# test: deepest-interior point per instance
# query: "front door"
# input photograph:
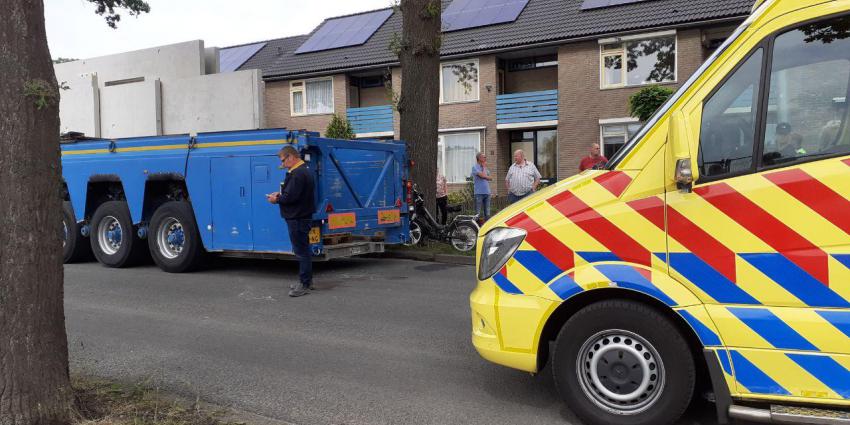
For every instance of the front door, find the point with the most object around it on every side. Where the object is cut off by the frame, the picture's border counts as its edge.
(764, 237)
(540, 148)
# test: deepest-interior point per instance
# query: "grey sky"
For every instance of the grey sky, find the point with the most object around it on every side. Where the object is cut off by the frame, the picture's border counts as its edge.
(75, 31)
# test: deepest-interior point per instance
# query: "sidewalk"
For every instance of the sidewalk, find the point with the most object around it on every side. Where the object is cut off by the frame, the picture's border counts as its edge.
(428, 253)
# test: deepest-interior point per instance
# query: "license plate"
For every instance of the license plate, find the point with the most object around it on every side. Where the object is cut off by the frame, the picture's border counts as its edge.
(341, 221)
(389, 216)
(356, 250)
(315, 235)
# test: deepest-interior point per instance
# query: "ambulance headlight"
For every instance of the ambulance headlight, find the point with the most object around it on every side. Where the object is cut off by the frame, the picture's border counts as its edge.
(498, 247)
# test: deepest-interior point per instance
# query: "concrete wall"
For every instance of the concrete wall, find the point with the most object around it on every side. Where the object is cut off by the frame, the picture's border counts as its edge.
(163, 90)
(217, 102)
(79, 106)
(131, 110)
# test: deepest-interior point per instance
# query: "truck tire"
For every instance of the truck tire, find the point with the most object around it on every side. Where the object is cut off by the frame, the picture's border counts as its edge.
(174, 241)
(621, 362)
(75, 247)
(113, 238)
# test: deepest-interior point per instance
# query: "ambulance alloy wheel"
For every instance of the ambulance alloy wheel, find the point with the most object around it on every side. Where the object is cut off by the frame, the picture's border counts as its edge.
(174, 241)
(75, 247)
(113, 238)
(621, 362)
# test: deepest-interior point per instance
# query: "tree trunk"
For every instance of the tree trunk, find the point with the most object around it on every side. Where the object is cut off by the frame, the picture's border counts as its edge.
(34, 383)
(419, 102)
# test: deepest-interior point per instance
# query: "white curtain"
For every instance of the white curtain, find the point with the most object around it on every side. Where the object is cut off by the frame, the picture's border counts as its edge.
(320, 97)
(456, 91)
(459, 151)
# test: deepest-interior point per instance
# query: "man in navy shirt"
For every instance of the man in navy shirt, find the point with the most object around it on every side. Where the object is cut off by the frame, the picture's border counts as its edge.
(297, 205)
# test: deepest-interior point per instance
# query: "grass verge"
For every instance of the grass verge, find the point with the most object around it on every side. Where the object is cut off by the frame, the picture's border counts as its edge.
(100, 402)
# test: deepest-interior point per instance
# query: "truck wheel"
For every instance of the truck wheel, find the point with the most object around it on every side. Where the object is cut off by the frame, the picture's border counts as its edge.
(174, 241)
(621, 362)
(113, 238)
(75, 247)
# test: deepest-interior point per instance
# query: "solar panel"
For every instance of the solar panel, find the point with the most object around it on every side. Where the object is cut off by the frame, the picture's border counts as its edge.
(464, 14)
(598, 4)
(232, 58)
(346, 31)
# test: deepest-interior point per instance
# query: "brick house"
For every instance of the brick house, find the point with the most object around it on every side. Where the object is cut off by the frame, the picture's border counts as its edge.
(550, 79)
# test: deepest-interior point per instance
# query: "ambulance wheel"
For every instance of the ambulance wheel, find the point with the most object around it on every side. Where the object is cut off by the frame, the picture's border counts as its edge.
(113, 239)
(75, 247)
(174, 241)
(621, 362)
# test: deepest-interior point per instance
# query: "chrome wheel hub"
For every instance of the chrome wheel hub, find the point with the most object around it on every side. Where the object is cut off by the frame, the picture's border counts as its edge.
(170, 238)
(109, 235)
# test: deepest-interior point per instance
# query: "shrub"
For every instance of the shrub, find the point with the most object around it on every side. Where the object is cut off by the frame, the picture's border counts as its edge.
(644, 103)
(339, 128)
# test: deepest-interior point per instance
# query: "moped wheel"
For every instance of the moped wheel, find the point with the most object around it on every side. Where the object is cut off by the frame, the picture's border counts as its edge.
(415, 233)
(463, 237)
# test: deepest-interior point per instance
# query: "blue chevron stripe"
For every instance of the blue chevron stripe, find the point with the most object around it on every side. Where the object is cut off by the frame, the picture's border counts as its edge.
(709, 280)
(839, 319)
(565, 287)
(772, 328)
(795, 280)
(629, 278)
(750, 376)
(843, 259)
(723, 355)
(538, 265)
(706, 335)
(598, 257)
(827, 370)
(505, 284)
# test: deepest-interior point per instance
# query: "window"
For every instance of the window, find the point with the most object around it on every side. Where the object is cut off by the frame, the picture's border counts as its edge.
(807, 100)
(638, 61)
(727, 132)
(532, 63)
(310, 97)
(456, 155)
(540, 148)
(614, 136)
(459, 82)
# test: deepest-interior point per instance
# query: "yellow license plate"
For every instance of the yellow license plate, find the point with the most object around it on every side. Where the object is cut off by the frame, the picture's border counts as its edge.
(389, 216)
(341, 221)
(315, 235)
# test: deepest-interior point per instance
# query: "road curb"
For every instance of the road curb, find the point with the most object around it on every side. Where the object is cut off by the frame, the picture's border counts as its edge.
(428, 256)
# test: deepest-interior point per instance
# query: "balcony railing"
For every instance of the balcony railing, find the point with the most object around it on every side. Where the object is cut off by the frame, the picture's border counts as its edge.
(372, 120)
(517, 109)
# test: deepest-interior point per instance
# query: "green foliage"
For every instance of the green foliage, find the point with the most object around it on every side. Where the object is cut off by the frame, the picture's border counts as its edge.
(644, 103)
(339, 128)
(107, 8)
(42, 93)
(62, 60)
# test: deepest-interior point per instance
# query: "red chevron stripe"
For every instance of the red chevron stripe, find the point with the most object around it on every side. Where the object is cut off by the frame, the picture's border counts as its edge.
(769, 229)
(691, 236)
(846, 161)
(544, 242)
(621, 244)
(615, 181)
(815, 195)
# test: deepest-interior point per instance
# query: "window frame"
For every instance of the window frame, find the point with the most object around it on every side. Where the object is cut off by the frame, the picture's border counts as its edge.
(478, 83)
(303, 90)
(766, 75)
(621, 52)
(441, 150)
(624, 122)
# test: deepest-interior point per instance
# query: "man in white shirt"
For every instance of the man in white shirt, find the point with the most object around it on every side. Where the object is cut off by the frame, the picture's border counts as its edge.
(522, 179)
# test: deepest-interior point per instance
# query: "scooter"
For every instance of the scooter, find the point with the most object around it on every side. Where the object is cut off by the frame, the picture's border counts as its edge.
(461, 232)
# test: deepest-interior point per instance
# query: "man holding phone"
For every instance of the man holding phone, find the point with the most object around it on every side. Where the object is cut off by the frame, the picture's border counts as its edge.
(297, 204)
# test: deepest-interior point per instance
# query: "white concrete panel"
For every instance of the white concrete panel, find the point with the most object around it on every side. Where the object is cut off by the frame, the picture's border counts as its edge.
(211, 58)
(174, 61)
(131, 110)
(79, 105)
(220, 102)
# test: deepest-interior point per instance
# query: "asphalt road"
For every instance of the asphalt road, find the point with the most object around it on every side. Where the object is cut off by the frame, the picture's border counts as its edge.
(379, 342)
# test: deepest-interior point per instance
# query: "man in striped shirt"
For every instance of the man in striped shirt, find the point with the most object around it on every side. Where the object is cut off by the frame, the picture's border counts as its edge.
(522, 178)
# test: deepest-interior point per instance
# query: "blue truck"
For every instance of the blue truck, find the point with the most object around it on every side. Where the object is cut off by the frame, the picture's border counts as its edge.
(181, 197)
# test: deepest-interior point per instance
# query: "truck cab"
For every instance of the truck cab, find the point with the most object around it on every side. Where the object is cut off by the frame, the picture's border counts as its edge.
(712, 254)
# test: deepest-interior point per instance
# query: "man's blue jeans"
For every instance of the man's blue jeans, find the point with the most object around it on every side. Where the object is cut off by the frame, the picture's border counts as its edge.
(299, 235)
(513, 198)
(482, 206)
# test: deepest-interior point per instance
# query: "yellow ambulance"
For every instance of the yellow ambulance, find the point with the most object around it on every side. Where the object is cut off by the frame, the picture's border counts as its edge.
(712, 255)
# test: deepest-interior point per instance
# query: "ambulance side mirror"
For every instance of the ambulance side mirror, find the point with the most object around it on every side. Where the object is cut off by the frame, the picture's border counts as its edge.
(679, 145)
